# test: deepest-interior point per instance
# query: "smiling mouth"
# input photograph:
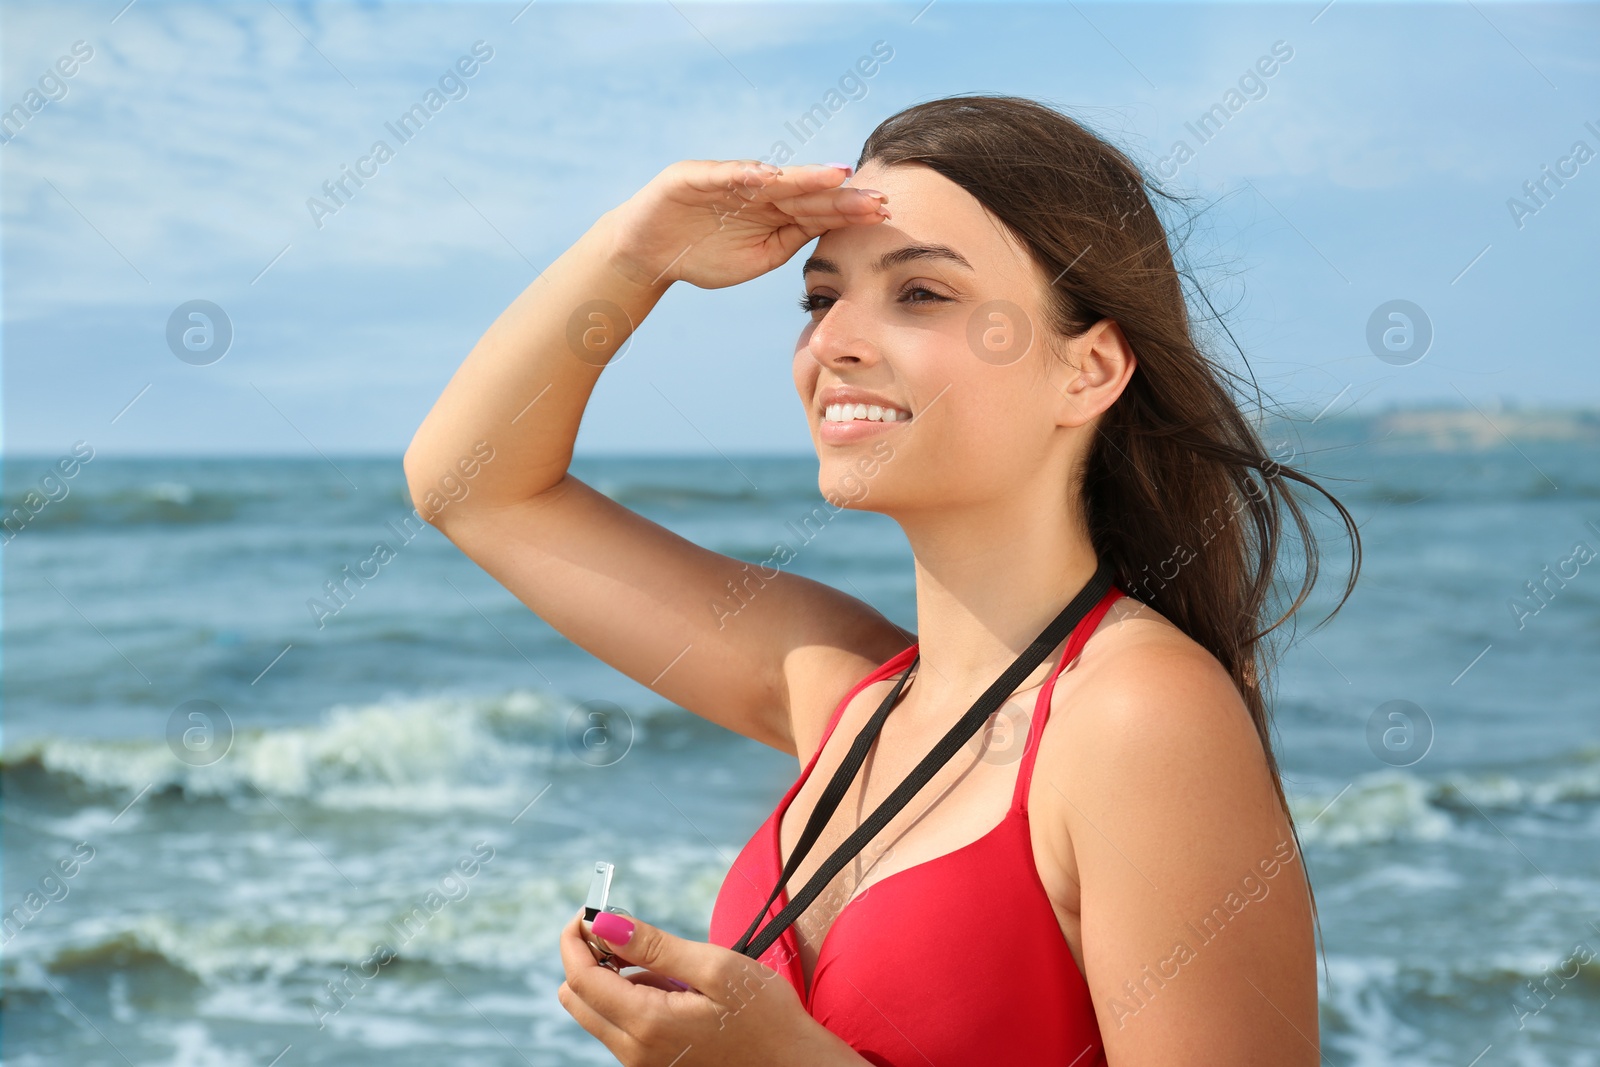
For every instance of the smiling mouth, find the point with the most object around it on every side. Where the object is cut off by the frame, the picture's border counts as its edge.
(863, 413)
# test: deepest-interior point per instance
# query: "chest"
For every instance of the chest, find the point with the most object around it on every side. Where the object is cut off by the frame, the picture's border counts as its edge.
(963, 827)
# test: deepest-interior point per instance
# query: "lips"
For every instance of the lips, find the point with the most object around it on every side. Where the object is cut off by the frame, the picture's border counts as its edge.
(850, 414)
(844, 403)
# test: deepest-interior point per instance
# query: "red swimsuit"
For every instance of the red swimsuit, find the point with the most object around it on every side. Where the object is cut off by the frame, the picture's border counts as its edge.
(958, 959)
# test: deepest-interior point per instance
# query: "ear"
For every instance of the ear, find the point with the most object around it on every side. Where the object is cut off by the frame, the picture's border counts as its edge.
(1095, 368)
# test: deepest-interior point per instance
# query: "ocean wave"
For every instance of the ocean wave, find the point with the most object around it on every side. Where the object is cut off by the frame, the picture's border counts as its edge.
(655, 494)
(226, 947)
(1399, 805)
(153, 502)
(1379, 807)
(504, 920)
(1576, 780)
(1381, 1010)
(423, 754)
(189, 499)
(1464, 978)
(1489, 487)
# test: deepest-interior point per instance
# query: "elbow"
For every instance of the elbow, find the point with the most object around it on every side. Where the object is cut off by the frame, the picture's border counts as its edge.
(448, 486)
(422, 487)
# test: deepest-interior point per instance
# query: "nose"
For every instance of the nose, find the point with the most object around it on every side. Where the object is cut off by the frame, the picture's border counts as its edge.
(845, 336)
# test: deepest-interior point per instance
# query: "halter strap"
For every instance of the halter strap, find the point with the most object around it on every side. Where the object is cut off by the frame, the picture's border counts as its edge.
(1041, 709)
(753, 944)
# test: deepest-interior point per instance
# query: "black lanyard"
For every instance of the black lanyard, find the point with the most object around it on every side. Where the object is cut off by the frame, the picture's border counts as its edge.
(753, 945)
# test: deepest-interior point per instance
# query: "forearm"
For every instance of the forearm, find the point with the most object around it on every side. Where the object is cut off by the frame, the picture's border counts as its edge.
(524, 386)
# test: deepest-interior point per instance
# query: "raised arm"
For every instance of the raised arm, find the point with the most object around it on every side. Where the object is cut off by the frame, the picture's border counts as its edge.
(627, 590)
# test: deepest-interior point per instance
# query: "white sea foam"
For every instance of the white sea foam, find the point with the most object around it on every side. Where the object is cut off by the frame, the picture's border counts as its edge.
(193, 1045)
(1403, 805)
(1356, 993)
(420, 754)
(506, 921)
(1370, 1007)
(170, 492)
(1383, 806)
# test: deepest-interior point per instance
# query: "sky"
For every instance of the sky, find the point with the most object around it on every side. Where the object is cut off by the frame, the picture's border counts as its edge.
(1381, 161)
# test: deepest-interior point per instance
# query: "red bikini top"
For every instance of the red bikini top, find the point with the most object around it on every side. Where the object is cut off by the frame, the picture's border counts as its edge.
(957, 959)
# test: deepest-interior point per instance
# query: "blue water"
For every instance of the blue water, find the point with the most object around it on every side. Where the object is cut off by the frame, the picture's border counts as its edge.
(434, 725)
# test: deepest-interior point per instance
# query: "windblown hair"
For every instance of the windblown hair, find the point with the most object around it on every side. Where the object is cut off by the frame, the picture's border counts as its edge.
(1181, 497)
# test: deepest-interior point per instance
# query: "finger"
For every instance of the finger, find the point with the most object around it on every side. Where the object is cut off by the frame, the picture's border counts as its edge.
(791, 238)
(752, 177)
(600, 995)
(582, 969)
(659, 981)
(575, 953)
(607, 1032)
(814, 216)
(812, 195)
(842, 205)
(703, 966)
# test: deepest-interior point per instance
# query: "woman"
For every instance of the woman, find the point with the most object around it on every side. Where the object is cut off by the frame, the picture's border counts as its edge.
(998, 357)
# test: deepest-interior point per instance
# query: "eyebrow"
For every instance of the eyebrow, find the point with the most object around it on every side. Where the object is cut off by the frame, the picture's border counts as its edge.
(892, 258)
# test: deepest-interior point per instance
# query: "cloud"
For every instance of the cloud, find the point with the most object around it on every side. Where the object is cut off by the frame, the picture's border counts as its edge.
(180, 162)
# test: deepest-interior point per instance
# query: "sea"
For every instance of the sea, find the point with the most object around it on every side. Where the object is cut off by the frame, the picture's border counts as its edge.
(249, 823)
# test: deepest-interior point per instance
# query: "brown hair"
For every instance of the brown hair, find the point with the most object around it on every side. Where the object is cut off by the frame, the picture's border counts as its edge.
(1176, 476)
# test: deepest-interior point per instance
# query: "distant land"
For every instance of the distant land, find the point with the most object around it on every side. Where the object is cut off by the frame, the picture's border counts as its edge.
(1450, 429)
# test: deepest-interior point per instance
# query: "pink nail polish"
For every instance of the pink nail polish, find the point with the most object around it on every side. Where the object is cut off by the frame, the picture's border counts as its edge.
(680, 985)
(847, 168)
(609, 926)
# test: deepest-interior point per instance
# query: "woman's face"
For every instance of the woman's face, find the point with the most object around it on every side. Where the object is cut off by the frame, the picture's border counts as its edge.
(935, 317)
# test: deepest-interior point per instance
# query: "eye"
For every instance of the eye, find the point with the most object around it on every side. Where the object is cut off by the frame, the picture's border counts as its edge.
(811, 301)
(937, 299)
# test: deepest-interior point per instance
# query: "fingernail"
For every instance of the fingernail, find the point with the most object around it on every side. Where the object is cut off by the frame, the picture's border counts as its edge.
(847, 168)
(609, 926)
(680, 985)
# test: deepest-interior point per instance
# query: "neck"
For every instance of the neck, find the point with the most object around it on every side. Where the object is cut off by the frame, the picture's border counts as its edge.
(989, 579)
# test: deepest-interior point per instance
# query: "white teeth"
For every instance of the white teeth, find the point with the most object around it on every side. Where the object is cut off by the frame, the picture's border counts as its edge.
(863, 412)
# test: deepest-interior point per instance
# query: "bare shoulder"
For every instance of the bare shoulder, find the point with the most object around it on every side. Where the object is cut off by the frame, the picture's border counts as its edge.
(1140, 675)
(1162, 828)
(1146, 705)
